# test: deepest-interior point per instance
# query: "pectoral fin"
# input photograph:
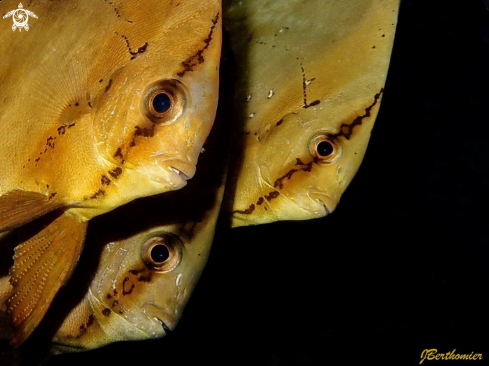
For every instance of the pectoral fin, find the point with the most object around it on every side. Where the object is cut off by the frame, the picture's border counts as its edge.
(42, 265)
(18, 207)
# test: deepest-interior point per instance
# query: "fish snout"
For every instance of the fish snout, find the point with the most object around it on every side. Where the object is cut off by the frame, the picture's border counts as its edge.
(179, 169)
(322, 201)
(161, 316)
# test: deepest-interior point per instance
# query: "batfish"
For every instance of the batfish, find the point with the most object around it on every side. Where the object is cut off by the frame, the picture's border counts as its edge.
(141, 262)
(139, 268)
(101, 102)
(311, 76)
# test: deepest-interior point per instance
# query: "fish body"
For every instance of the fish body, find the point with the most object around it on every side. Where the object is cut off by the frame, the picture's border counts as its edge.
(103, 102)
(310, 80)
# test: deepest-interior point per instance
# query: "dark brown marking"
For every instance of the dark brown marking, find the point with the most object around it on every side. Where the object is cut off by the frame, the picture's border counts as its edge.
(248, 211)
(118, 14)
(304, 90)
(61, 130)
(100, 192)
(106, 312)
(50, 142)
(133, 54)
(90, 321)
(77, 104)
(129, 291)
(114, 173)
(346, 130)
(272, 195)
(115, 292)
(52, 195)
(143, 275)
(279, 122)
(304, 167)
(105, 180)
(115, 303)
(109, 296)
(143, 132)
(260, 201)
(118, 154)
(312, 104)
(190, 63)
(109, 84)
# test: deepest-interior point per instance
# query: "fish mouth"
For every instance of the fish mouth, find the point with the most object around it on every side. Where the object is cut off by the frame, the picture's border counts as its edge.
(180, 171)
(165, 327)
(325, 202)
(160, 316)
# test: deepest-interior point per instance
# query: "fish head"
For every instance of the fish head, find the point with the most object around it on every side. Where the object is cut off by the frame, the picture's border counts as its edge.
(307, 97)
(147, 288)
(322, 155)
(153, 113)
(139, 291)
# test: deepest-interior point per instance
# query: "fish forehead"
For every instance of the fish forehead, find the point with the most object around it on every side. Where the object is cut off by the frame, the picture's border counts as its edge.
(305, 69)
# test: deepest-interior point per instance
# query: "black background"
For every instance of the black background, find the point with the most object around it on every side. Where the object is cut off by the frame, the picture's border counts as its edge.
(402, 264)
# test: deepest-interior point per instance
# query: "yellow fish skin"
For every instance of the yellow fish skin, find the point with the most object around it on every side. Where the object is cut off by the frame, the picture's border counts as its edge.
(103, 102)
(310, 80)
(121, 290)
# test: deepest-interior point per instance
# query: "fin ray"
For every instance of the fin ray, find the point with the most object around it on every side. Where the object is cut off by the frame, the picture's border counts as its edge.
(42, 265)
(18, 207)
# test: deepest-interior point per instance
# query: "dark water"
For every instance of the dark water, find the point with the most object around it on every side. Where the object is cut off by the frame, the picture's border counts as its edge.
(400, 267)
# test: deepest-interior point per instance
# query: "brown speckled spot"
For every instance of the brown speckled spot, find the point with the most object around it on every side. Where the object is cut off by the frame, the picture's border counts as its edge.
(105, 180)
(248, 211)
(272, 195)
(106, 312)
(114, 173)
(129, 290)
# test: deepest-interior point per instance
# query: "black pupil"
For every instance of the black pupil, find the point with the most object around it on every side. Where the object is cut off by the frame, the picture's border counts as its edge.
(162, 103)
(325, 148)
(160, 253)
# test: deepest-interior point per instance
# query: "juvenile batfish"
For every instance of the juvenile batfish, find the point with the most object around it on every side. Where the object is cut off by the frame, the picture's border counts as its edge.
(140, 266)
(101, 102)
(310, 79)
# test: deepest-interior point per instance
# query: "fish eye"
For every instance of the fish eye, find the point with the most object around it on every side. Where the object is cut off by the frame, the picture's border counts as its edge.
(325, 149)
(164, 101)
(161, 103)
(162, 253)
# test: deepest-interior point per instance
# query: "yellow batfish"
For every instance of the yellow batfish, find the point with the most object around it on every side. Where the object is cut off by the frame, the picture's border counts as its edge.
(101, 102)
(140, 264)
(310, 79)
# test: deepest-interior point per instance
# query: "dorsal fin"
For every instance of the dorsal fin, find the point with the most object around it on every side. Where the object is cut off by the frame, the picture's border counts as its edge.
(42, 264)
(18, 207)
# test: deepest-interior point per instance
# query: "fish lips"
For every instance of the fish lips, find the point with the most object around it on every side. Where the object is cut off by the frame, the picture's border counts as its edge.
(319, 202)
(179, 171)
(161, 316)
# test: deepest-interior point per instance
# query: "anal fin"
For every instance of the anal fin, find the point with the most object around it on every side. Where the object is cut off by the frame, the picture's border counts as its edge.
(42, 264)
(18, 207)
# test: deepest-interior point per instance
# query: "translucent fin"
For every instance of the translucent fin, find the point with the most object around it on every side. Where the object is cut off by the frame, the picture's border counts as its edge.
(42, 265)
(18, 207)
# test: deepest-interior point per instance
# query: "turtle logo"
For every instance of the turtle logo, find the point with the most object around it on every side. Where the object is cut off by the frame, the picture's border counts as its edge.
(20, 17)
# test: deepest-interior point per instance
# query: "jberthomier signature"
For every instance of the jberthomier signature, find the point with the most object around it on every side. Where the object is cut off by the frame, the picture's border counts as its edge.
(432, 354)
